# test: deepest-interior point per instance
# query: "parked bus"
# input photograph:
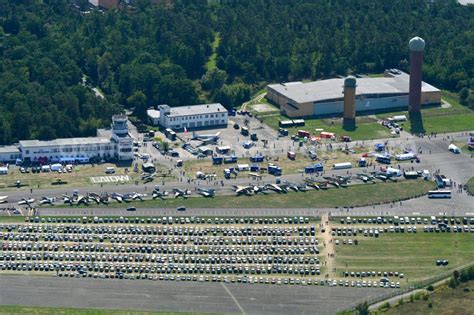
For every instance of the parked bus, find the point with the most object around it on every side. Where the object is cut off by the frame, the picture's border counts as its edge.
(439, 194)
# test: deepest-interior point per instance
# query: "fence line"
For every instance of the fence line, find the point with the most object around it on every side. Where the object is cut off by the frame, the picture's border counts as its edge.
(414, 286)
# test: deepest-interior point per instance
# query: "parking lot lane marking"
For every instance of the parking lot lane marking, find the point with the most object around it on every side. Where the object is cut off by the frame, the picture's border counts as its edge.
(233, 298)
(416, 213)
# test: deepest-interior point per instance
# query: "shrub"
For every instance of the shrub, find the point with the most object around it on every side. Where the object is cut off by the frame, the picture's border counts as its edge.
(430, 288)
(430, 305)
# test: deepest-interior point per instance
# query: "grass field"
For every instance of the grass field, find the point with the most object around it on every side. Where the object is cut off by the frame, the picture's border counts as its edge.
(288, 166)
(443, 301)
(413, 254)
(470, 185)
(357, 195)
(20, 310)
(211, 63)
(79, 177)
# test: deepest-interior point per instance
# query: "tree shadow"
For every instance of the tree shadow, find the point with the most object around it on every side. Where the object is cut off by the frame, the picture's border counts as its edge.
(416, 123)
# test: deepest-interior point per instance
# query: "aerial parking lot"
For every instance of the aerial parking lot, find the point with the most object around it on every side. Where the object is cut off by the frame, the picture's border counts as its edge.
(370, 252)
(330, 258)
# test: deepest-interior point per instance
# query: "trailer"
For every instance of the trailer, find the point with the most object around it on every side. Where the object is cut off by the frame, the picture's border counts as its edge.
(327, 135)
(303, 133)
(398, 118)
(254, 168)
(298, 122)
(286, 123)
(340, 166)
(230, 159)
(405, 156)
(223, 149)
(257, 158)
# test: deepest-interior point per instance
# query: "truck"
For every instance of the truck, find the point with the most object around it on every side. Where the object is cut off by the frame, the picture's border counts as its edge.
(283, 132)
(343, 165)
(217, 160)
(274, 170)
(303, 133)
(453, 148)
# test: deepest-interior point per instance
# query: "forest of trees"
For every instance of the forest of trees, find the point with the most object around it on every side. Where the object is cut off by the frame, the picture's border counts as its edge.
(52, 53)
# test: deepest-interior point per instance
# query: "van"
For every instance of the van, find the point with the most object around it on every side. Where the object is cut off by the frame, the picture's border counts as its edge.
(109, 170)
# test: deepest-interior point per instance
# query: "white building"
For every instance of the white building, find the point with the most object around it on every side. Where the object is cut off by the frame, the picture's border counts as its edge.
(193, 116)
(114, 144)
(9, 154)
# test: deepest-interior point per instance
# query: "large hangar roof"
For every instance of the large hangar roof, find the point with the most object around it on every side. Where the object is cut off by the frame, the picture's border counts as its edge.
(332, 89)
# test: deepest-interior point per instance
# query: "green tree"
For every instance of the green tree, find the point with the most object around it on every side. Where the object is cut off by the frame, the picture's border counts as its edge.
(139, 104)
(362, 309)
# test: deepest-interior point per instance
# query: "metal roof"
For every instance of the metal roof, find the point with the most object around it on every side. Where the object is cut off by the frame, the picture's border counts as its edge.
(9, 149)
(64, 142)
(192, 110)
(153, 113)
(332, 89)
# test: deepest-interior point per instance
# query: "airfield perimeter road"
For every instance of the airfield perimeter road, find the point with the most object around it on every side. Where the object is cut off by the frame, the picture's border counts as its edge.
(179, 297)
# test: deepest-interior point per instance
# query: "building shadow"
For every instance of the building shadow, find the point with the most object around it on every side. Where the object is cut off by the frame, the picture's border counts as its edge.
(416, 123)
(349, 125)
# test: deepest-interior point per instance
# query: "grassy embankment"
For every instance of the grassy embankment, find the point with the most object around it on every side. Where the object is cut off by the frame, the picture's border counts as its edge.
(357, 195)
(443, 300)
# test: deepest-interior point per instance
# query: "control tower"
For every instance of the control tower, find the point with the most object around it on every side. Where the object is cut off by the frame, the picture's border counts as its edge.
(349, 113)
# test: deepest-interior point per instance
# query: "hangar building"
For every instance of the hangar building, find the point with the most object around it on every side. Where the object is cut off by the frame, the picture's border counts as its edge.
(326, 97)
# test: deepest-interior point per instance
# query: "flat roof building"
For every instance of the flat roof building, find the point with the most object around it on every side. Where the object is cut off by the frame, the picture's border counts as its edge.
(325, 97)
(189, 117)
(115, 144)
(9, 153)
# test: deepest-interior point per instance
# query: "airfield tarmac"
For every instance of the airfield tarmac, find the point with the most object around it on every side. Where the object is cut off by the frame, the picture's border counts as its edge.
(179, 297)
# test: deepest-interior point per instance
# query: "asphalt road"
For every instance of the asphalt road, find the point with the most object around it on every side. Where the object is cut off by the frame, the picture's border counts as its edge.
(179, 297)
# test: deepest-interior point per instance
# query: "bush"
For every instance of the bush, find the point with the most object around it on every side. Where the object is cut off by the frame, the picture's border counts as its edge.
(385, 306)
(430, 305)
(430, 288)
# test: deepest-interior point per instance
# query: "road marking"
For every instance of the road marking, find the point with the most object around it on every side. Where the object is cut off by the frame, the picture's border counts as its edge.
(416, 213)
(233, 298)
(469, 213)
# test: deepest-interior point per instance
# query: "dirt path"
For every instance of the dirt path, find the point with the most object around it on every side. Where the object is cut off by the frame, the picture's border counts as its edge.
(328, 245)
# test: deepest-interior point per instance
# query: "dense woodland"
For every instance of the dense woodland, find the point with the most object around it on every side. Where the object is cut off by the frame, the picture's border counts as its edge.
(52, 53)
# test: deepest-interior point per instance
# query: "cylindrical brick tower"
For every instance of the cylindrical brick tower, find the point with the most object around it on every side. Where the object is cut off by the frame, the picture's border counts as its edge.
(417, 45)
(349, 101)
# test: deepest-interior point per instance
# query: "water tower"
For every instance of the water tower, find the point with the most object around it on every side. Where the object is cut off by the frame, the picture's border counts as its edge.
(417, 45)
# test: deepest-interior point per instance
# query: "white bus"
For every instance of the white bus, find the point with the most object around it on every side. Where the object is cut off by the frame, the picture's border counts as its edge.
(439, 194)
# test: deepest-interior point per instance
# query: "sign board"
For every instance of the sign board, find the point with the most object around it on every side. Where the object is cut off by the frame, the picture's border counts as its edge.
(109, 179)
